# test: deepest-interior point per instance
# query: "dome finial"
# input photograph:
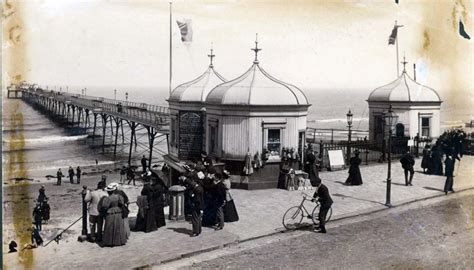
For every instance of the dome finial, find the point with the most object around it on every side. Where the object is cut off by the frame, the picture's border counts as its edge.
(256, 49)
(211, 56)
(404, 62)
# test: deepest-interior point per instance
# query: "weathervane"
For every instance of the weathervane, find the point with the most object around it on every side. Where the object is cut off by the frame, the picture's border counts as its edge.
(404, 62)
(256, 49)
(211, 56)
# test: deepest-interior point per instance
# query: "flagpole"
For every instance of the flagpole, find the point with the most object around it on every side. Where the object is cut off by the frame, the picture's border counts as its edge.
(171, 48)
(396, 44)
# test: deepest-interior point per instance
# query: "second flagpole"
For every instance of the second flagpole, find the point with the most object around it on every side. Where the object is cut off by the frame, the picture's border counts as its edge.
(171, 48)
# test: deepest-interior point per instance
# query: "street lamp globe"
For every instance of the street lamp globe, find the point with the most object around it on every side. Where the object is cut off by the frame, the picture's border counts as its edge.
(349, 118)
(390, 117)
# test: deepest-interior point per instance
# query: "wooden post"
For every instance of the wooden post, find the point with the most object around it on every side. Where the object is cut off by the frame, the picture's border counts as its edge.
(117, 124)
(132, 128)
(84, 211)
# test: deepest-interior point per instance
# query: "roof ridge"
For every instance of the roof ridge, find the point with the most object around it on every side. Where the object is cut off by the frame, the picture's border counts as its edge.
(279, 82)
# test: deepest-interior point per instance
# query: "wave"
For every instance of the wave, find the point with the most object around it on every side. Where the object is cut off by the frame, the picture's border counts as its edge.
(47, 139)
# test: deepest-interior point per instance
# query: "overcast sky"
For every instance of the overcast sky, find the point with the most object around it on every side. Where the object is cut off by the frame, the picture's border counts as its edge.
(311, 44)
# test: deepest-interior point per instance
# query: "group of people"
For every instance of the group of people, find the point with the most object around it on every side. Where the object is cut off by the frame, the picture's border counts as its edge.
(71, 174)
(108, 214)
(207, 198)
(41, 214)
(127, 174)
(150, 203)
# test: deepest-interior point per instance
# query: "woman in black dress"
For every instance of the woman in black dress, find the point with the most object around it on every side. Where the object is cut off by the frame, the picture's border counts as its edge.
(426, 161)
(150, 215)
(354, 179)
(230, 212)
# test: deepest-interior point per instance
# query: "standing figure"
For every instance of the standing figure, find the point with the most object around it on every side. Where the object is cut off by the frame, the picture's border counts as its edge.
(96, 221)
(142, 203)
(114, 231)
(42, 195)
(36, 239)
(161, 190)
(230, 212)
(448, 185)
(219, 200)
(426, 160)
(354, 179)
(130, 175)
(143, 161)
(284, 170)
(197, 205)
(71, 175)
(125, 210)
(312, 167)
(437, 156)
(37, 217)
(59, 176)
(123, 172)
(103, 180)
(78, 173)
(325, 200)
(408, 161)
(45, 211)
(150, 214)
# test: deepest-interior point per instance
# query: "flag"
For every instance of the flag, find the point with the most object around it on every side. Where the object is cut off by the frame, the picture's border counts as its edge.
(393, 36)
(186, 30)
(463, 32)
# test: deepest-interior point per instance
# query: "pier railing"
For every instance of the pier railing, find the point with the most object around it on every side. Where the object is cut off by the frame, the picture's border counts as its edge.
(334, 135)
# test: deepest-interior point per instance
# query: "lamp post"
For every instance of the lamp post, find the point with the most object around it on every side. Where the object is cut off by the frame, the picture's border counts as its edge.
(349, 125)
(126, 96)
(115, 94)
(390, 120)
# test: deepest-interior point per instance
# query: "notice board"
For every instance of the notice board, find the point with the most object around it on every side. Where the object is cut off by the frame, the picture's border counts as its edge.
(336, 159)
(190, 134)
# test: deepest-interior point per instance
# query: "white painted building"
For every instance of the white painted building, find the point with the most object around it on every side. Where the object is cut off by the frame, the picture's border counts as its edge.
(417, 106)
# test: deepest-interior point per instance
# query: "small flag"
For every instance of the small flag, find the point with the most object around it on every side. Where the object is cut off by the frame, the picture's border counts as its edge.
(393, 36)
(463, 32)
(186, 30)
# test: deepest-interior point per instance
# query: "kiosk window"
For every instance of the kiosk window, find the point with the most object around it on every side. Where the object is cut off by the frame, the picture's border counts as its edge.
(274, 141)
(425, 126)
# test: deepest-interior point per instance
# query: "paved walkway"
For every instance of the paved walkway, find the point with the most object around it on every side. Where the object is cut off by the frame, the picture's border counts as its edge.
(260, 213)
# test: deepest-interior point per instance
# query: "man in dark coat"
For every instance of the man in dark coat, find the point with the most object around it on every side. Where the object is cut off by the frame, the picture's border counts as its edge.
(78, 173)
(448, 185)
(71, 175)
(219, 199)
(197, 205)
(436, 157)
(312, 167)
(42, 195)
(59, 176)
(325, 201)
(408, 161)
(143, 161)
(37, 216)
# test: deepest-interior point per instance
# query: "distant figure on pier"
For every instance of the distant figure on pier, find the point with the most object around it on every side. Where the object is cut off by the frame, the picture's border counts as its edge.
(59, 176)
(71, 175)
(78, 173)
(144, 163)
(426, 161)
(408, 161)
(354, 179)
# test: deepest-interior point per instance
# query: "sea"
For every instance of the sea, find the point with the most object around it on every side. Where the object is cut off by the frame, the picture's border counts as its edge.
(47, 146)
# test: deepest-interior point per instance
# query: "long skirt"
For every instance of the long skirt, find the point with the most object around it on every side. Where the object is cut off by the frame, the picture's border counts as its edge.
(114, 230)
(126, 226)
(160, 216)
(140, 223)
(150, 219)
(230, 212)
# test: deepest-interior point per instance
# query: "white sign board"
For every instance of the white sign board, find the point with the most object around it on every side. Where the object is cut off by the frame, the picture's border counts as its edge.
(336, 159)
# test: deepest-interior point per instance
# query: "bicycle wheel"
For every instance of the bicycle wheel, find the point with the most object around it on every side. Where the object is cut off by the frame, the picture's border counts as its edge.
(315, 214)
(292, 218)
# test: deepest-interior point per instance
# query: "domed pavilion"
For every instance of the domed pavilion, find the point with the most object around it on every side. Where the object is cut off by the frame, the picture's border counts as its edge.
(417, 107)
(252, 113)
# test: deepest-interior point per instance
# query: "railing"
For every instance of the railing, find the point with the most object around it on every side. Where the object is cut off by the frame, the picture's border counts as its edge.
(334, 135)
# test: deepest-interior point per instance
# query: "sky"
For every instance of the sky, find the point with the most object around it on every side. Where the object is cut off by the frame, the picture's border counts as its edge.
(315, 45)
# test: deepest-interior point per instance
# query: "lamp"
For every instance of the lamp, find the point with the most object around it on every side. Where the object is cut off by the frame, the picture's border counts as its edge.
(390, 120)
(349, 125)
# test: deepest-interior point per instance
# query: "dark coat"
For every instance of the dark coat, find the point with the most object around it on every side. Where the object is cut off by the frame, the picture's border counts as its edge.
(407, 161)
(449, 162)
(323, 196)
(355, 177)
(150, 216)
(426, 161)
(197, 198)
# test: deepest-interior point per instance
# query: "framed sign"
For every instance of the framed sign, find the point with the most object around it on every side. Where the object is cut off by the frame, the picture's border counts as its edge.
(190, 134)
(336, 159)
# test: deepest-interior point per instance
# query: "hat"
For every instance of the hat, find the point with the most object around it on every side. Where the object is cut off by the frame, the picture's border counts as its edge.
(356, 152)
(112, 187)
(203, 154)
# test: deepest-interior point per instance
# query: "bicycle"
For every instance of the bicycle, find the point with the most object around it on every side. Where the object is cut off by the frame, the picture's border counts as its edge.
(294, 215)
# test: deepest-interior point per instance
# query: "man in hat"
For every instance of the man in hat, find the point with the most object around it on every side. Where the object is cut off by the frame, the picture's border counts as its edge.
(219, 197)
(96, 221)
(42, 195)
(143, 161)
(78, 173)
(37, 216)
(71, 175)
(197, 204)
(322, 195)
(59, 176)
(408, 161)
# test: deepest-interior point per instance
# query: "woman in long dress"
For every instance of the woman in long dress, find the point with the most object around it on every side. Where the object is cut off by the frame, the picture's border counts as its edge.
(114, 230)
(230, 212)
(126, 224)
(355, 178)
(160, 190)
(426, 161)
(150, 215)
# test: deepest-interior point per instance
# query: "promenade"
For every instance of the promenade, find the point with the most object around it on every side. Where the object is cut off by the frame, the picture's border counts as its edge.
(260, 213)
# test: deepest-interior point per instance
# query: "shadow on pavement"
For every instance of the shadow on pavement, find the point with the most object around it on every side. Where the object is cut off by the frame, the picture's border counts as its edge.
(432, 188)
(182, 230)
(359, 199)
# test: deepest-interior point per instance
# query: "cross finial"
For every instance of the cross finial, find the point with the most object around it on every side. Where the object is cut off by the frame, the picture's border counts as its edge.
(404, 62)
(211, 56)
(256, 49)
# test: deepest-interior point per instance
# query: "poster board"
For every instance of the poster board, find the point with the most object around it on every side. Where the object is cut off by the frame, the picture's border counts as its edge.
(190, 134)
(336, 160)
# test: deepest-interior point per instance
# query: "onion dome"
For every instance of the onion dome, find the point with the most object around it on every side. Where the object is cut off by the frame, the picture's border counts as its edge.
(404, 89)
(198, 89)
(256, 87)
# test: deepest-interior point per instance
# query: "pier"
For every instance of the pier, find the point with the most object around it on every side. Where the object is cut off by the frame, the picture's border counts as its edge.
(106, 117)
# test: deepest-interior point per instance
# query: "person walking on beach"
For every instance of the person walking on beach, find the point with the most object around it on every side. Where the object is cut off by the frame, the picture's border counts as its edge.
(123, 172)
(143, 161)
(448, 185)
(355, 178)
(37, 217)
(71, 175)
(96, 221)
(45, 211)
(59, 176)
(78, 173)
(325, 200)
(42, 195)
(408, 161)
(130, 175)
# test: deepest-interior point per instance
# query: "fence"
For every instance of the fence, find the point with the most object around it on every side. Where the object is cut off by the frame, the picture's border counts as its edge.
(314, 135)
